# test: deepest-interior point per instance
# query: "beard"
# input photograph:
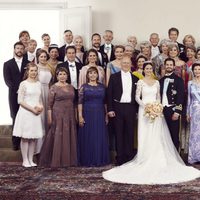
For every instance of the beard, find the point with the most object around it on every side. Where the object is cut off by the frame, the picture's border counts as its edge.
(96, 45)
(169, 70)
(19, 54)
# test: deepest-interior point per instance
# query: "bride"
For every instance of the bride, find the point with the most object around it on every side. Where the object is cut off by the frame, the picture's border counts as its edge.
(157, 160)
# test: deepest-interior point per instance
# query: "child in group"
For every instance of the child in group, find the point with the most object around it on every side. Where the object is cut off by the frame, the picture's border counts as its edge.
(28, 124)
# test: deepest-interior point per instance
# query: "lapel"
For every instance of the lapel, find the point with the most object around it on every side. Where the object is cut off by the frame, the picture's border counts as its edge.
(77, 71)
(172, 76)
(133, 84)
(23, 66)
(119, 82)
(67, 67)
(15, 66)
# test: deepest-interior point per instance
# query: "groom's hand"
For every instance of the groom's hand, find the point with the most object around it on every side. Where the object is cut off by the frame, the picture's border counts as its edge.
(175, 116)
(111, 114)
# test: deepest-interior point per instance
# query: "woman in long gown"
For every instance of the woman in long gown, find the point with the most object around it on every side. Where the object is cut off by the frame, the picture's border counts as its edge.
(60, 147)
(92, 135)
(45, 74)
(157, 161)
(193, 109)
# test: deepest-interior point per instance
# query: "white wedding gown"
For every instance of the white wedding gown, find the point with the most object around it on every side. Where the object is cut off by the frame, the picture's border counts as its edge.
(157, 160)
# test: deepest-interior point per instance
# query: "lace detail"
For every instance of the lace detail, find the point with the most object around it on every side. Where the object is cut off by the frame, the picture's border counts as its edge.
(81, 95)
(51, 97)
(21, 92)
(158, 98)
(138, 94)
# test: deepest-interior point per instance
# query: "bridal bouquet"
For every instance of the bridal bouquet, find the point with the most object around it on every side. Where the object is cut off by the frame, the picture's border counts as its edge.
(153, 110)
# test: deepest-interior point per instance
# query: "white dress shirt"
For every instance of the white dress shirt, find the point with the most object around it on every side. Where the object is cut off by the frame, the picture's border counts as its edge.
(19, 62)
(154, 51)
(107, 50)
(73, 74)
(31, 56)
(126, 86)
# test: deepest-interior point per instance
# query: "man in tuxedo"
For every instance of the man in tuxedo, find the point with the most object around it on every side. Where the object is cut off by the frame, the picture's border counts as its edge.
(30, 55)
(122, 107)
(108, 47)
(13, 72)
(154, 40)
(72, 67)
(68, 38)
(102, 56)
(172, 97)
(173, 36)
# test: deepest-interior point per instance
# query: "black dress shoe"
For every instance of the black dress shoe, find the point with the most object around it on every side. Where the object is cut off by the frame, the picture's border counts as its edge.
(15, 148)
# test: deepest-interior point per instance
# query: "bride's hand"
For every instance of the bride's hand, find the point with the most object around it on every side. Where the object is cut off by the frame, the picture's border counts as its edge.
(188, 118)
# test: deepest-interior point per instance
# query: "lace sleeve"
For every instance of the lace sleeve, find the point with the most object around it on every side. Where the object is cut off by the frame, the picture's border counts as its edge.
(21, 92)
(158, 92)
(51, 97)
(81, 95)
(138, 94)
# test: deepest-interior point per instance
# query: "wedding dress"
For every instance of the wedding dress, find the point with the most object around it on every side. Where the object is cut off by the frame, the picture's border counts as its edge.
(157, 160)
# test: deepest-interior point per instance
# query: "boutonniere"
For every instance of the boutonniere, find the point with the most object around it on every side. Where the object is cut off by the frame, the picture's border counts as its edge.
(174, 92)
(171, 80)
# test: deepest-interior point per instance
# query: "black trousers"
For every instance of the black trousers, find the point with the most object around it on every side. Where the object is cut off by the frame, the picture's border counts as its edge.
(124, 124)
(173, 126)
(14, 107)
(15, 140)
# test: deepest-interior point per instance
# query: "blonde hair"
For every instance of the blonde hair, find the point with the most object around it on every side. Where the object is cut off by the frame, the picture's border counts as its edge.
(28, 66)
(189, 37)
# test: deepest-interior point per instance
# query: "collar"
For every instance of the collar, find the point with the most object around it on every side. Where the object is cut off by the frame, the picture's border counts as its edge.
(97, 49)
(125, 73)
(107, 45)
(71, 63)
(156, 47)
(168, 74)
(71, 44)
(31, 53)
(18, 59)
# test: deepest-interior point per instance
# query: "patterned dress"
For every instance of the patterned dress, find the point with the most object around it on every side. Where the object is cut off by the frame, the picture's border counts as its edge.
(93, 136)
(60, 147)
(193, 110)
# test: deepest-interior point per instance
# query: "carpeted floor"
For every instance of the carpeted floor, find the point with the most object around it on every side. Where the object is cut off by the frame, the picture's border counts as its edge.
(17, 183)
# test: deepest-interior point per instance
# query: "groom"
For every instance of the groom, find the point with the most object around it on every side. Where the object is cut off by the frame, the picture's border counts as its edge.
(122, 107)
(172, 97)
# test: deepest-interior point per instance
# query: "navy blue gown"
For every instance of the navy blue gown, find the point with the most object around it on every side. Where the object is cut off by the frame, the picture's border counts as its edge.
(93, 137)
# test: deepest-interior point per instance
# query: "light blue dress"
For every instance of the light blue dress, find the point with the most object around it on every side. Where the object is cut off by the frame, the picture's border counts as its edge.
(193, 110)
(113, 69)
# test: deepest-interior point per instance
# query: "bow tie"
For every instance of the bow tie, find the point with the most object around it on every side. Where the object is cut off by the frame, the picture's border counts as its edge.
(71, 66)
(107, 48)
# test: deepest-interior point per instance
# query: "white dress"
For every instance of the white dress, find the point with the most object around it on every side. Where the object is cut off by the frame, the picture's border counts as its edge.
(28, 125)
(157, 160)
